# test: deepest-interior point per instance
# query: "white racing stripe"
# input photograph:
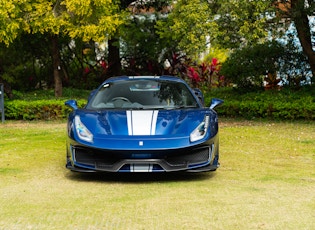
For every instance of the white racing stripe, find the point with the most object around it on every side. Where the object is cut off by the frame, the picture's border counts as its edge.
(141, 167)
(142, 122)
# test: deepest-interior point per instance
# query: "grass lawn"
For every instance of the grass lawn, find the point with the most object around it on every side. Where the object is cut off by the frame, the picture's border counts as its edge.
(266, 181)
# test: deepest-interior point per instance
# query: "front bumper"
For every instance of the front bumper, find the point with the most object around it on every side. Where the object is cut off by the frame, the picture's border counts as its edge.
(197, 159)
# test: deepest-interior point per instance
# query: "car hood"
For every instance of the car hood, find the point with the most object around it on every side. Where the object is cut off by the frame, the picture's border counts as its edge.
(142, 122)
(114, 128)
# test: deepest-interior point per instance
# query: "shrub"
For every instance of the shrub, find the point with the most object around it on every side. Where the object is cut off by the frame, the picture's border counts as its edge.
(286, 104)
(37, 110)
(247, 66)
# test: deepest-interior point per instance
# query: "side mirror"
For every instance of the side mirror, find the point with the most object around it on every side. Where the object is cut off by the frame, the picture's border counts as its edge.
(199, 94)
(72, 104)
(215, 102)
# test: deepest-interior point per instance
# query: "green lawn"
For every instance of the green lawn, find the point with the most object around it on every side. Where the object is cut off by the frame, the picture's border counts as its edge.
(266, 181)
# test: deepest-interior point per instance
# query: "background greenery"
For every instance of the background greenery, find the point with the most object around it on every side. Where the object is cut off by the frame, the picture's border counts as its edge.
(79, 44)
(286, 104)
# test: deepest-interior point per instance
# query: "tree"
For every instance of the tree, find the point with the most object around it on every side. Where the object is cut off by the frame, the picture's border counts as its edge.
(142, 49)
(138, 7)
(88, 20)
(300, 13)
(187, 27)
(247, 67)
(24, 62)
(241, 22)
(246, 22)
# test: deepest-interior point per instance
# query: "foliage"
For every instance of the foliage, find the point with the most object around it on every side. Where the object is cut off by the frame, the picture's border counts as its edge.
(11, 19)
(141, 47)
(286, 104)
(205, 75)
(241, 23)
(278, 110)
(294, 69)
(187, 27)
(216, 52)
(245, 23)
(69, 93)
(85, 19)
(26, 62)
(42, 105)
(272, 62)
(246, 67)
(37, 110)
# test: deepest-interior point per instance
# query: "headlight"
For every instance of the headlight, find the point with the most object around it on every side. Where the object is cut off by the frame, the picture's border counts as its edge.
(83, 133)
(201, 130)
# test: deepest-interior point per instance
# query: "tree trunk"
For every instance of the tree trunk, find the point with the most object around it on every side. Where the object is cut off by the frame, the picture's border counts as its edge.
(301, 21)
(56, 66)
(114, 64)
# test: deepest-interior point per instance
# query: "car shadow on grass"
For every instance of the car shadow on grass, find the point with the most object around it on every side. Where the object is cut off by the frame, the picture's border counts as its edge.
(139, 177)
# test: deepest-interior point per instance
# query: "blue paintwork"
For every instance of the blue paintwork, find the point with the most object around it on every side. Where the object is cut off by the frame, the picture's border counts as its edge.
(173, 129)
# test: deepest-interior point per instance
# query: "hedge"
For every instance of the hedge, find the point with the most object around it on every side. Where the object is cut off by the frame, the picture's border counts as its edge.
(37, 110)
(278, 105)
(271, 110)
(286, 104)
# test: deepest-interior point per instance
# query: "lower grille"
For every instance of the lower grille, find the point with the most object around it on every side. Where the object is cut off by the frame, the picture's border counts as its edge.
(167, 159)
(89, 157)
(197, 156)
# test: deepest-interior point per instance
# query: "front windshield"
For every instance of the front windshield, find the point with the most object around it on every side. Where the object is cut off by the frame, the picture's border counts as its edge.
(143, 94)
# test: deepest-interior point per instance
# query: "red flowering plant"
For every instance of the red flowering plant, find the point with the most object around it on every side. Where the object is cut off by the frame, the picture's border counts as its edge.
(210, 74)
(193, 76)
(205, 75)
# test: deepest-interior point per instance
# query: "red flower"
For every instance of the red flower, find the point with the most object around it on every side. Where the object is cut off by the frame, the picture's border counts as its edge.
(193, 75)
(214, 61)
(214, 65)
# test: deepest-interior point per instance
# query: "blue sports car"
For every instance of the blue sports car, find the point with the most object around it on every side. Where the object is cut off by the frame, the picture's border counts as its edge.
(143, 124)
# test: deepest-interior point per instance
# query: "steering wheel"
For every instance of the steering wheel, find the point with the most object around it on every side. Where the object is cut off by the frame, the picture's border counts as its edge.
(120, 98)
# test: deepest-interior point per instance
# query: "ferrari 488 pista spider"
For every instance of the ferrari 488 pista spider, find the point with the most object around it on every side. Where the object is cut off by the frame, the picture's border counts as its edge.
(143, 124)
